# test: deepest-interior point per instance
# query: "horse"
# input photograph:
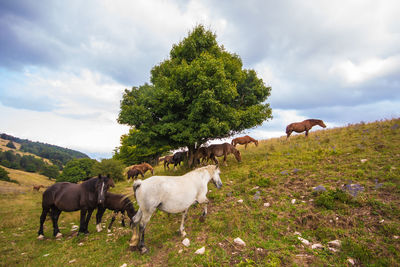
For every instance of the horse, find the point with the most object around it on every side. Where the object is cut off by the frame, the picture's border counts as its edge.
(66, 196)
(168, 160)
(37, 187)
(144, 167)
(116, 203)
(179, 157)
(305, 125)
(201, 153)
(134, 173)
(220, 150)
(171, 194)
(244, 140)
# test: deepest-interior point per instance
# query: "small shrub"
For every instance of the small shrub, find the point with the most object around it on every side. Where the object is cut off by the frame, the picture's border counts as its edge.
(4, 176)
(331, 199)
(11, 145)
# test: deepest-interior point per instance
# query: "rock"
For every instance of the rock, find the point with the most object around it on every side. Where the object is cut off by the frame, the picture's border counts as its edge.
(108, 231)
(229, 194)
(23, 253)
(297, 233)
(74, 227)
(183, 234)
(335, 243)
(72, 261)
(363, 160)
(284, 172)
(45, 255)
(381, 221)
(180, 251)
(239, 241)
(259, 249)
(186, 242)
(293, 201)
(351, 261)
(254, 188)
(267, 204)
(304, 241)
(80, 244)
(319, 188)
(40, 237)
(110, 234)
(396, 237)
(240, 201)
(316, 246)
(200, 251)
(332, 249)
(59, 235)
(124, 265)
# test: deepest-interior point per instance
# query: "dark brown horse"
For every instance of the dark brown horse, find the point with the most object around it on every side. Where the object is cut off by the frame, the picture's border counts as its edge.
(244, 140)
(134, 173)
(168, 160)
(37, 187)
(116, 203)
(72, 197)
(200, 154)
(300, 127)
(220, 150)
(144, 167)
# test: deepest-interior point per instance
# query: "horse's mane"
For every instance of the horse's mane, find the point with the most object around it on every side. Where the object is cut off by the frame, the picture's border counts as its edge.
(209, 168)
(90, 184)
(314, 120)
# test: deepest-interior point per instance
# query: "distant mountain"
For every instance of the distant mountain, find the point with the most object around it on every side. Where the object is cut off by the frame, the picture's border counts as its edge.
(58, 155)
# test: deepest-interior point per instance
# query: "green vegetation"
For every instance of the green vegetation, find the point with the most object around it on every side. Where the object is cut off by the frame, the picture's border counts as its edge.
(114, 168)
(4, 176)
(11, 145)
(58, 155)
(200, 93)
(77, 170)
(366, 223)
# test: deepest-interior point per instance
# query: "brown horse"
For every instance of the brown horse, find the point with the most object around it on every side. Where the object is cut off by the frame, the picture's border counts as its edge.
(144, 167)
(244, 140)
(200, 154)
(116, 203)
(168, 160)
(220, 150)
(64, 196)
(37, 187)
(134, 173)
(300, 127)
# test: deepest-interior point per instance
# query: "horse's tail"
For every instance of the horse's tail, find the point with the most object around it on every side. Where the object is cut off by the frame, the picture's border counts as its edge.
(136, 185)
(137, 216)
(288, 128)
(232, 143)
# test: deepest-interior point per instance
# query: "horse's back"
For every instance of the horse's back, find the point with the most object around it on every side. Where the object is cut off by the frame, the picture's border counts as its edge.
(65, 196)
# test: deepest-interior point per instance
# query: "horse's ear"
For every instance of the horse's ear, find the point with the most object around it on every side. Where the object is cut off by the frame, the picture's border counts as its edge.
(99, 176)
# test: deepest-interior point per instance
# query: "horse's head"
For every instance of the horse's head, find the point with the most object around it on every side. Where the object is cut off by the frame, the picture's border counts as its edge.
(215, 177)
(256, 142)
(237, 155)
(322, 124)
(102, 186)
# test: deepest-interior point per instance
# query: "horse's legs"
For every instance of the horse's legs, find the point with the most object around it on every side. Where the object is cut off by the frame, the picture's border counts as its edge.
(42, 219)
(225, 159)
(182, 227)
(99, 216)
(288, 134)
(55, 213)
(113, 219)
(89, 214)
(142, 227)
(123, 218)
(245, 146)
(82, 221)
(307, 133)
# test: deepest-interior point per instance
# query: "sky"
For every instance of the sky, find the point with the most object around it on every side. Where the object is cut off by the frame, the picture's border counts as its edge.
(65, 64)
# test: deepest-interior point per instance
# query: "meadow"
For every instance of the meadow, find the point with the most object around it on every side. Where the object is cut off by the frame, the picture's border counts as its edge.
(337, 184)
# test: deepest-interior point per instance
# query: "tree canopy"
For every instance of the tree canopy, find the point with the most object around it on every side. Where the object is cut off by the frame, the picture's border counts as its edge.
(200, 93)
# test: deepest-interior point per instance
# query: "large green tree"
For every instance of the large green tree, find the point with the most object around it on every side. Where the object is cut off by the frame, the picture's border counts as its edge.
(200, 93)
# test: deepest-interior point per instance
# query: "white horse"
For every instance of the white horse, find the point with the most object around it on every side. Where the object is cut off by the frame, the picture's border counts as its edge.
(172, 194)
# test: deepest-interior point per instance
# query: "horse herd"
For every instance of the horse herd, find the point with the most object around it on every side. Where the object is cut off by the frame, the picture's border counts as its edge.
(171, 194)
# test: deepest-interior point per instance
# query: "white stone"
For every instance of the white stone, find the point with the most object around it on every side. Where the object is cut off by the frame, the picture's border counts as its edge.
(80, 244)
(23, 253)
(124, 265)
(267, 204)
(259, 249)
(200, 251)
(333, 249)
(110, 234)
(240, 201)
(396, 237)
(297, 233)
(316, 246)
(59, 235)
(108, 231)
(293, 201)
(363, 160)
(45, 255)
(239, 241)
(351, 261)
(72, 261)
(335, 243)
(180, 251)
(186, 242)
(40, 237)
(381, 221)
(304, 241)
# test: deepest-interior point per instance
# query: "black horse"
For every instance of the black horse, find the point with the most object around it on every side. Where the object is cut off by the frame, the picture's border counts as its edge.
(117, 203)
(72, 197)
(179, 157)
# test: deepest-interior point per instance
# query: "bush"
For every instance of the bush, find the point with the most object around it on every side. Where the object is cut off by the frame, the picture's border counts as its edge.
(11, 145)
(331, 199)
(77, 170)
(4, 176)
(110, 166)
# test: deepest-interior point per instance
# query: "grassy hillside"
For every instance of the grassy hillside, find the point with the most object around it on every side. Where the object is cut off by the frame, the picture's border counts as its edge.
(365, 158)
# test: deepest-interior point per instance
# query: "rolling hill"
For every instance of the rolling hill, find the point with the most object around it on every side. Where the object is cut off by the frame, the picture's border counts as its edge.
(287, 200)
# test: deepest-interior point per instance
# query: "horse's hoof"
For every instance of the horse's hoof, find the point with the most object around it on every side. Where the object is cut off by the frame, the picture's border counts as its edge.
(143, 250)
(202, 218)
(40, 237)
(59, 235)
(132, 248)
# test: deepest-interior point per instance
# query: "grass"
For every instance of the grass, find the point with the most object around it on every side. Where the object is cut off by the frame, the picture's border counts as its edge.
(367, 224)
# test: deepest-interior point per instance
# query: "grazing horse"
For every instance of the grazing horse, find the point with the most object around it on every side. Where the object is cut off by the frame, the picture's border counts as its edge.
(201, 153)
(244, 140)
(168, 160)
(37, 187)
(144, 167)
(179, 157)
(134, 173)
(220, 150)
(171, 194)
(305, 125)
(72, 197)
(117, 203)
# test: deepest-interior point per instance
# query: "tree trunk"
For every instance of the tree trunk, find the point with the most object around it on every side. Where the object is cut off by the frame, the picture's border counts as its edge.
(191, 150)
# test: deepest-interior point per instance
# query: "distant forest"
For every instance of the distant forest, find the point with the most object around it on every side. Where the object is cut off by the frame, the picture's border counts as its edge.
(57, 155)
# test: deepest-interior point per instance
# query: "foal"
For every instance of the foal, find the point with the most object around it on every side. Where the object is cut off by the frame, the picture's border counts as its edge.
(244, 140)
(305, 125)
(172, 194)
(220, 150)
(117, 203)
(134, 173)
